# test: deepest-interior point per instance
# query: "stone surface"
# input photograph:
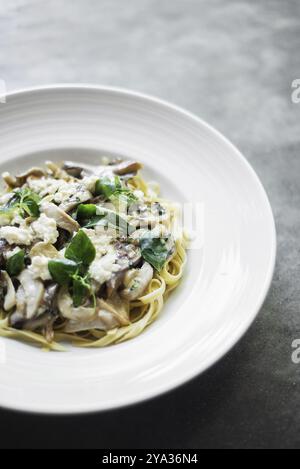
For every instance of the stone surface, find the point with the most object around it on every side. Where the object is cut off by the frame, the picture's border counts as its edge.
(232, 63)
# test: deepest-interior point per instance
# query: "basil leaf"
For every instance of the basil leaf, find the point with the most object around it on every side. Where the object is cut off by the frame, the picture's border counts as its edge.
(81, 249)
(155, 250)
(61, 270)
(81, 289)
(31, 208)
(15, 264)
(27, 201)
(85, 212)
(107, 186)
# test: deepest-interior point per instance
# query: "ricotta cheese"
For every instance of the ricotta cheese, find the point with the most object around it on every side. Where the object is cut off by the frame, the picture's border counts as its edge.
(45, 186)
(14, 235)
(45, 229)
(39, 268)
(102, 269)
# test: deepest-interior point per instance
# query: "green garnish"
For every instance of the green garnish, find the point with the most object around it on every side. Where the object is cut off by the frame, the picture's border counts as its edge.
(107, 186)
(85, 212)
(15, 264)
(112, 189)
(81, 249)
(155, 250)
(26, 201)
(61, 270)
(72, 271)
(81, 289)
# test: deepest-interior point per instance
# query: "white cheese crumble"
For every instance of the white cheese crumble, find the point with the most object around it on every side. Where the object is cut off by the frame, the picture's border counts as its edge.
(14, 235)
(45, 229)
(102, 269)
(39, 268)
(69, 190)
(44, 186)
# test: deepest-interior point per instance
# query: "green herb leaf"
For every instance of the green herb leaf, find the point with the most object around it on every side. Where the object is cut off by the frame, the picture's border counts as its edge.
(81, 289)
(15, 264)
(81, 249)
(107, 186)
(31, 208)
(26, 201)
(85, 212)
(61, 270)
(155, 250)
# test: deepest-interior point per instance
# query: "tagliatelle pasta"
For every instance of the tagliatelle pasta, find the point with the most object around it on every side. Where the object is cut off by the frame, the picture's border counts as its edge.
(88, 254)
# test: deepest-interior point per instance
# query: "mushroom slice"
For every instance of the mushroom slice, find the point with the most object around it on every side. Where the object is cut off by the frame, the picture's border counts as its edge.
(45, 320)
(73, 170)
(4, 248)
(56, 170)
(81, 170)
(121, 168)
(108, 315)
(68, 311)
(102, 320)
(44, 249)
(34, 292)
(19, 180)
(139, 283)
(127, 167)
(63, 220)
(10, 295)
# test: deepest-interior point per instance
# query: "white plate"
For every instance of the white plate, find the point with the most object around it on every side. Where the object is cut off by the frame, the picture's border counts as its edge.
(226, 281)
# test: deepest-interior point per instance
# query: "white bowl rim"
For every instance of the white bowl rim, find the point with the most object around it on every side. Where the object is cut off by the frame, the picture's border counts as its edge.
(273, 242)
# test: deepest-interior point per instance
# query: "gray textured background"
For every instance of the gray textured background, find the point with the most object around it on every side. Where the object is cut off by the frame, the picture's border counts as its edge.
(232, 63)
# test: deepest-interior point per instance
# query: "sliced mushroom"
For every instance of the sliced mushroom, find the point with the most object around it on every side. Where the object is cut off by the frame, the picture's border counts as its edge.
(102, 320)
(127, 167)
(19, 180)
(57, 171)
(50, 298)
(34, 292)
(63, 238)
(45, 320)
(10, 295)
(121, 168)
(4, 248)
(44, 249)
(82, 170)
(73, 170)
(108, 315)
(139, 283)
(62, 219)
(67, 309)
